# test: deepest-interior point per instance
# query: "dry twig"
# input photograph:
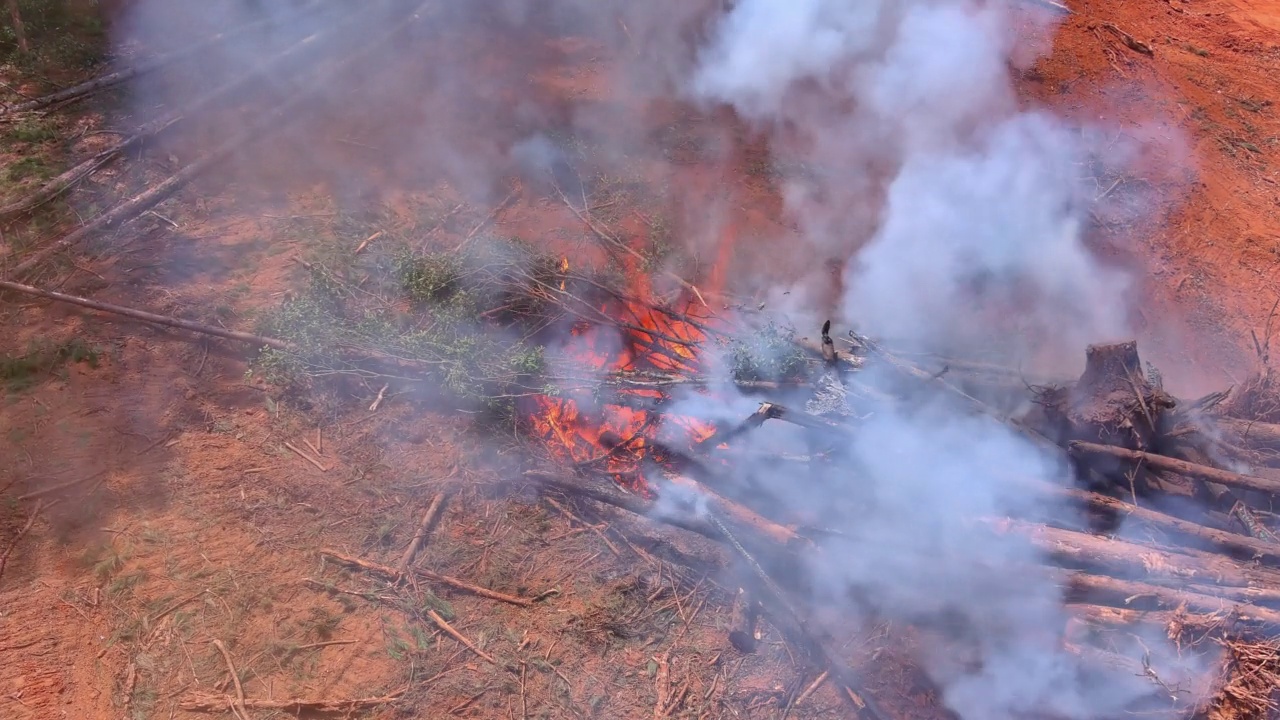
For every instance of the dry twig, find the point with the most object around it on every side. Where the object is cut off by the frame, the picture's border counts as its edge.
(393, 574)
(238, 705)
(218, 703)
(428, 517)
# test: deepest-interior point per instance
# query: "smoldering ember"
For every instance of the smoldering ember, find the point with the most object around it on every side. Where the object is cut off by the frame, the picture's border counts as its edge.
(758, 359)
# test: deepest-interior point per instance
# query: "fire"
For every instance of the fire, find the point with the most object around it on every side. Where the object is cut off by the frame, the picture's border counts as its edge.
(619, 435)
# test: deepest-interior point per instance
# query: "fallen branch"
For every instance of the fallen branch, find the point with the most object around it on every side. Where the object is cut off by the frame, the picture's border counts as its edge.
(620, 246)
(68, 179)
(237, 706)
(1181, 467)
(218, 703)
(435, 618)
(103, 82)
(60, 184)
(31, 521)
(273, 121)
(257, 340)
(1129, 41)
(428, 517)
(1213, 574)
(1129, 591)
(393, 574)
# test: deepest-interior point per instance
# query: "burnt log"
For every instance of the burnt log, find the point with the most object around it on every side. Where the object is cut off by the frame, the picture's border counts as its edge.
(745, 616)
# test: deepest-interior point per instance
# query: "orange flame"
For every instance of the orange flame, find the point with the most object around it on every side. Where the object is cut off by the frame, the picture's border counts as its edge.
(619, 437)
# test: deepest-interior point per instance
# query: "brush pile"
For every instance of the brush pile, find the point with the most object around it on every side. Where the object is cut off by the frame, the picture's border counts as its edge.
(1175, 531)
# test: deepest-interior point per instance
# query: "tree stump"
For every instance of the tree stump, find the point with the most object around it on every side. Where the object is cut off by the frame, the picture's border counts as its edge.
(1112, 403)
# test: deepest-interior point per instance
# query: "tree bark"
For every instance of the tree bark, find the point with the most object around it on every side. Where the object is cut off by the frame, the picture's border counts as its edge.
(19, 30)
(1210, 573)
(1128, 592)
(1227, 541)
(1181, 467)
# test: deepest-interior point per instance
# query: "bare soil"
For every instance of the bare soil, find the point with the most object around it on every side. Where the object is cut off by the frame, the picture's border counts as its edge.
(192, 522)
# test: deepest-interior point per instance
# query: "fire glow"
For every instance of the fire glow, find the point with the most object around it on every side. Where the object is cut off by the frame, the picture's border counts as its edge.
(645, 341)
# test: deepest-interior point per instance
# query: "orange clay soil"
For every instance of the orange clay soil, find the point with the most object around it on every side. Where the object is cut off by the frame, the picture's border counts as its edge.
(190, 521)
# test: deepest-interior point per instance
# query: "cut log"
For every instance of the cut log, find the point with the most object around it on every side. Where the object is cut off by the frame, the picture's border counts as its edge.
(1230, 542)
(1171, 620)
(1212, 574)
(1252, 434)
(1181, 467)
(682, 488)
(1093, 588)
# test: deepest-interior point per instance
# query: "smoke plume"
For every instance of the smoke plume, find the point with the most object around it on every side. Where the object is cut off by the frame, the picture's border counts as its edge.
(954, 212)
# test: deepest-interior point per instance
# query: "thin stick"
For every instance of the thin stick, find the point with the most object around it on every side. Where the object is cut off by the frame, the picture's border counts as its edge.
(160, 615)
(4, 558)
(147, 316)
(274, 120)
(813, 687)
(584, 524)
(378, 400)
(435, 618)
(103, 82)
(60, 486)
(311, 447)
(428, 517)
(238, 706)
(1050, 5)
(492, 213)
(623, 247)
(366, 241)
(394, 574)
(206, 703)
(306, 457)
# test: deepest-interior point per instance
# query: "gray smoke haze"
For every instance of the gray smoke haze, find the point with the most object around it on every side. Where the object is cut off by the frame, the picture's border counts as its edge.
(956, 215)
(977, 247)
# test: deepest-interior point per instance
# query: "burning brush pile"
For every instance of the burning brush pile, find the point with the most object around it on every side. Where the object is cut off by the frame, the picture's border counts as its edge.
(1097, 547)
(1142, 522)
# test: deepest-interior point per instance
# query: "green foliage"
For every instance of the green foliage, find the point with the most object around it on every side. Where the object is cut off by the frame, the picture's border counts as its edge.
(30, 167)
(442, 336)
(769, 354)
(32, 130)
(21, 371)
(428, 277)
(61, 35)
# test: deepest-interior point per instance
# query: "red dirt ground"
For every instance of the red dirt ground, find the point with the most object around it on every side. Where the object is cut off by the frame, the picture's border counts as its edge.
(192, 522)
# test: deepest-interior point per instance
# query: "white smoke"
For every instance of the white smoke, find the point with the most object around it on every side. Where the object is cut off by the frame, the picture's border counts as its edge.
(977, 245)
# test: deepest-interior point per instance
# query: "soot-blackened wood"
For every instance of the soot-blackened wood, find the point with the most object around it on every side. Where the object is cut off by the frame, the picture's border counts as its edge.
(745, 616)
(1112, 403)
(1181, 467)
